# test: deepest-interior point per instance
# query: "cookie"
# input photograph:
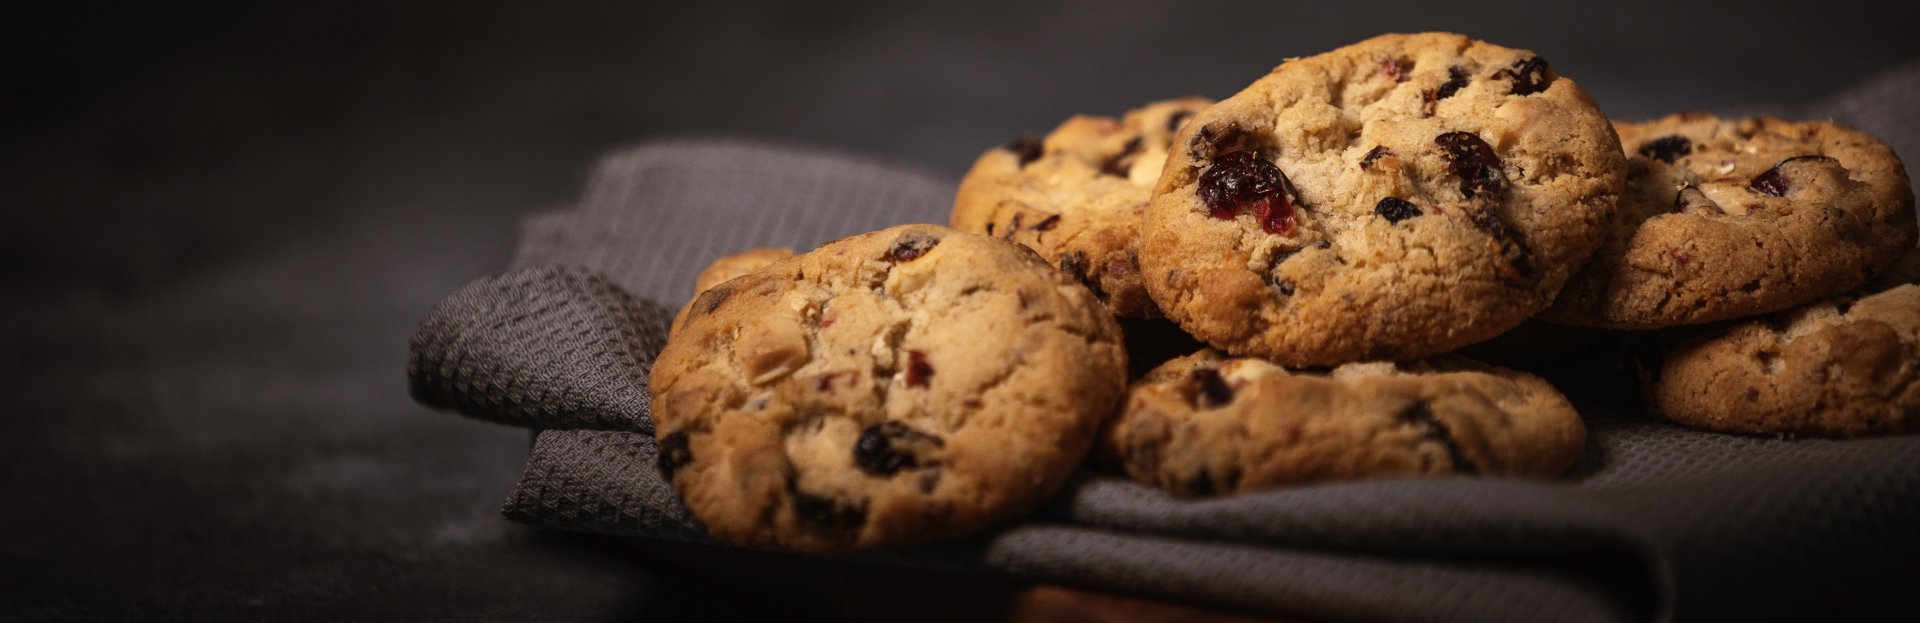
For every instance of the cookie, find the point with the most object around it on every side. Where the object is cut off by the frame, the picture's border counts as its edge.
(726, 268)
(1843, 367)
(1724, 218)
(1207, 424)
(1392, 199)
(901, 386)
(1076, 196)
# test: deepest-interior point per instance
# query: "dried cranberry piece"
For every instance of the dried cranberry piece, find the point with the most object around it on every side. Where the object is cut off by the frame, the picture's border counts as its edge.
(1395, 209)
(1397, 68)
(1456, 80)
(1667, 148)
(1420, 415)
(1275, 215)
(1234, 179)
(1208, 389)
(1515, 259)
(910, 247)
(918, 370)
(1243, 181)
(1529, 75)
(674, 453)
(885, 448)
(1773, 183)
(1473, 161)
(1374, 155)
(1025, 147)
(828, 513)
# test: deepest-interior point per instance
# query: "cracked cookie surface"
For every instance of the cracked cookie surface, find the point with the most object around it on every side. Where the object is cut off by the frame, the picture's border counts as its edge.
(1846, 366)
(1725, 218)
(901, 386)
(1208, 424)
(1076, 196)
(1396, 198)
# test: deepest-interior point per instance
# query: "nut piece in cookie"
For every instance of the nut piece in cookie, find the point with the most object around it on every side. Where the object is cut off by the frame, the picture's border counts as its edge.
(1724, 218)
(1393, 199)
(1208, 424)
(1844, 367)
(1076, 196)
(902, 386)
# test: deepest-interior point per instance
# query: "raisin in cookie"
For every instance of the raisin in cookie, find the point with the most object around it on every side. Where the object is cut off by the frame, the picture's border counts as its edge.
(1206, 424)
(1077, 196)
(1727, 218)
(1843, 367)
(1392, 199)
(726, 268)
(900, 386)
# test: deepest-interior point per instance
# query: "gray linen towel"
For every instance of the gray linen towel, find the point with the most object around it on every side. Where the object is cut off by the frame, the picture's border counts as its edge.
(1657, 523)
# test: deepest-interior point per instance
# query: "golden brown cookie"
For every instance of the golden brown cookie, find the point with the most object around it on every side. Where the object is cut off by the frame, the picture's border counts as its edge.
(901, 386)
(1206, 424)
(1846, 366)
(1725, 218)
(1392, 199)
(1076, 196)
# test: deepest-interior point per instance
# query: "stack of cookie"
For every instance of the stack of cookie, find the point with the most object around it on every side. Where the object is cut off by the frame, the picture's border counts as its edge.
(1331, 234)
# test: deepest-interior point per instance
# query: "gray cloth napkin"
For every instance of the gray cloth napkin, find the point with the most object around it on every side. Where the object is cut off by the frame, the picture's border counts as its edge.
(1657, 522)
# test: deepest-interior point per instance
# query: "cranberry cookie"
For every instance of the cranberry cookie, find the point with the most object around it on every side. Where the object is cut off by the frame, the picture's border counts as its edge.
(1206, 424)
(1846, 366)
(1727, 218)
(1076, 197)
(1392, 199)
(900, 386)
(726, 268)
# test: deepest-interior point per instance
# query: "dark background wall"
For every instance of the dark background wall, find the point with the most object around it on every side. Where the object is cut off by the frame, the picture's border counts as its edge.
(218, 223)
